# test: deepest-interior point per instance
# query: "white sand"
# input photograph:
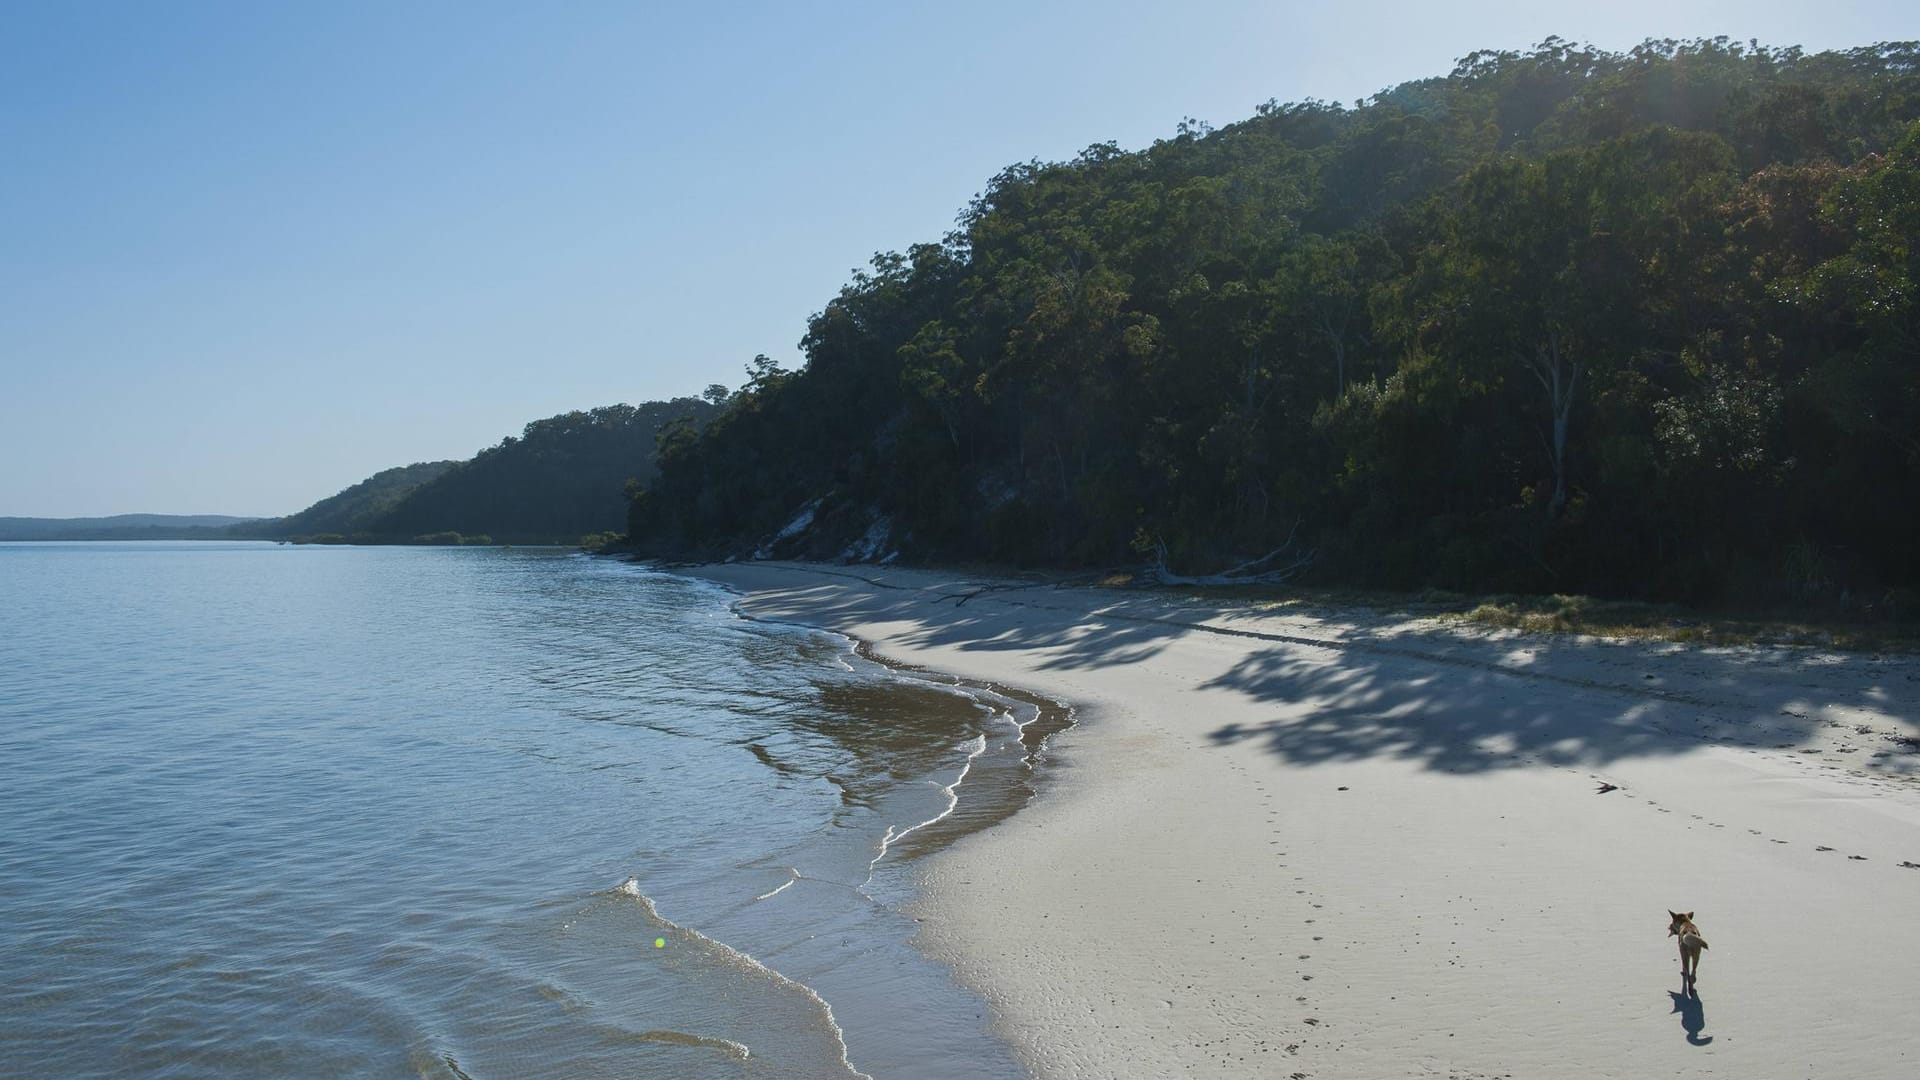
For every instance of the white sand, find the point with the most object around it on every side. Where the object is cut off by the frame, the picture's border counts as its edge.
(1337, 845)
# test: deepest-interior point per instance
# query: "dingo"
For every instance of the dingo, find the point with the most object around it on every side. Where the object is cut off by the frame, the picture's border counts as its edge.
(1690, 944)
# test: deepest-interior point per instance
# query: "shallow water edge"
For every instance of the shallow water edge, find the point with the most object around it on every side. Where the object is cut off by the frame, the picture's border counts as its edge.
(999, 777)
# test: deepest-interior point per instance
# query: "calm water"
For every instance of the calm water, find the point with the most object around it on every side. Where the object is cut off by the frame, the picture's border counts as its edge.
(277, 811)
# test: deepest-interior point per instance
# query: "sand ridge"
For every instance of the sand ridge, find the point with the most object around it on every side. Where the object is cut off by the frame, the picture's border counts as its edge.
(1330, 844)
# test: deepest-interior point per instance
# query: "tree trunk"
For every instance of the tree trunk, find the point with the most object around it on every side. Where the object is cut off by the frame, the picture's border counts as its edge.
(1560, 377)
(1333, 326)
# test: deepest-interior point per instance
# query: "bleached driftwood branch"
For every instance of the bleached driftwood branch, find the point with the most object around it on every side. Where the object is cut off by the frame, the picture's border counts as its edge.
(1247, 573)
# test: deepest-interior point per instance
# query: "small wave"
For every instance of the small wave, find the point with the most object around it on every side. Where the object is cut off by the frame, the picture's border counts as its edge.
(794, 875)
(979, 745)
(568, 1000)
(848, 797)
(765, 757)
(631, 887)
(1057, 716)
(849, 647)
(681, 1038)
(1030, 759)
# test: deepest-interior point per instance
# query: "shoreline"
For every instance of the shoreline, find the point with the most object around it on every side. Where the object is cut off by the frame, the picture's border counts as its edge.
(998, 773)
(1340, 845)
(1049, 717)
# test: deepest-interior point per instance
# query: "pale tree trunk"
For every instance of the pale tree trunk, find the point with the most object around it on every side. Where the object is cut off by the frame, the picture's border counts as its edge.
(1333, 326)
(1249, 371)
(1247, 573)
(1559, 375)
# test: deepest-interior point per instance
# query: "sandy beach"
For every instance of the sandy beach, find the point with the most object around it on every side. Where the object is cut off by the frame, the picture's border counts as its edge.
(1292, 843)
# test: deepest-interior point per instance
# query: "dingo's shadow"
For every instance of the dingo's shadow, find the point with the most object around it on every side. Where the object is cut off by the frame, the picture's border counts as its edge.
(1693, 1015)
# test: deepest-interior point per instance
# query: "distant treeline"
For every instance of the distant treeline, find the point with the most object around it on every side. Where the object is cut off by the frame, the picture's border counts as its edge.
(564, 478)
(355, 509)
(1640, 324)
(561, 480)
(121, 527)
(439, 539)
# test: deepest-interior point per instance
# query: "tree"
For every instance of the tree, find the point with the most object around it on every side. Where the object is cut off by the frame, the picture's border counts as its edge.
(1559, 318)
(1556, 267)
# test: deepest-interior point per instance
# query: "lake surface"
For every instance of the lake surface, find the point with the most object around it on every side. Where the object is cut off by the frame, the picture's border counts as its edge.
(458, 812)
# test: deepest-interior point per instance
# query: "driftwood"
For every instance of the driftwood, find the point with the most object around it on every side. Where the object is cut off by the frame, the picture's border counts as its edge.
(1247, 573)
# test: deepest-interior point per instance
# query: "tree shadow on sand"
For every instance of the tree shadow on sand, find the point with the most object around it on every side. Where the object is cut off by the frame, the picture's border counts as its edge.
(1461, 705)
(1447, 720)
(1346, 687)
(971, 617)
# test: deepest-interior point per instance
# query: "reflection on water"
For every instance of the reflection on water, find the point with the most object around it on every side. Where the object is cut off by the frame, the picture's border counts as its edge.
(311, 811)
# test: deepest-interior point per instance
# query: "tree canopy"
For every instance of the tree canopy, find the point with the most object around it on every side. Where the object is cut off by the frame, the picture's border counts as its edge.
(560, 479)
(351, 510)
(1637, 323)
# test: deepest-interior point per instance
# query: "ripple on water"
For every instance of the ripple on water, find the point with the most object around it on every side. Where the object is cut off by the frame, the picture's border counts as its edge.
(306, 811)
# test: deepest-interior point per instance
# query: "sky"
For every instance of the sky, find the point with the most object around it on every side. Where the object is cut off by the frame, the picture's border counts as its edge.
(253, 253)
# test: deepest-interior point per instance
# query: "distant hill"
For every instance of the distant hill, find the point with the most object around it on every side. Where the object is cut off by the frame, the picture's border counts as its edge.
(357, 509)
(561, 479)
(122, 527)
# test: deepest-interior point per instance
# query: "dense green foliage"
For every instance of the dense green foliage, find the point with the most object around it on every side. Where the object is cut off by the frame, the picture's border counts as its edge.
(561, 479)
(357, 509)
(1631, 324)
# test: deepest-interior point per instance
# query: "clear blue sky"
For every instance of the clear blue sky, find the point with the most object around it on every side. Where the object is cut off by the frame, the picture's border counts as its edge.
(251, 253)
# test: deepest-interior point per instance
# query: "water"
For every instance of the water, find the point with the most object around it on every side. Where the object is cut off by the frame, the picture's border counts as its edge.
(274, 811)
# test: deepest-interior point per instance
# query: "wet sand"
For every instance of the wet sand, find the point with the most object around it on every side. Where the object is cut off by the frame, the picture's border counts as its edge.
(1331, 844)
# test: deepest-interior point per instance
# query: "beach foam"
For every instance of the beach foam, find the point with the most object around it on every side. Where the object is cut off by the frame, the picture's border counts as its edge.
(631, 887)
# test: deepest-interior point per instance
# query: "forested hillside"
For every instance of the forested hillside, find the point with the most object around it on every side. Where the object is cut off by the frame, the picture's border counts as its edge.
(352, 510)
(1638, 324)
(561, 479)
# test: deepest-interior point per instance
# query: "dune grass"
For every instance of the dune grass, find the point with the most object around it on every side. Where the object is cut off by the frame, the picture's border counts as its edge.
(1864, 628)
(1859, 630)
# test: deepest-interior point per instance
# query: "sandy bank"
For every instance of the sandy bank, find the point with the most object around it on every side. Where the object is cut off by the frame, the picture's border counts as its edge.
(1326, 845)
